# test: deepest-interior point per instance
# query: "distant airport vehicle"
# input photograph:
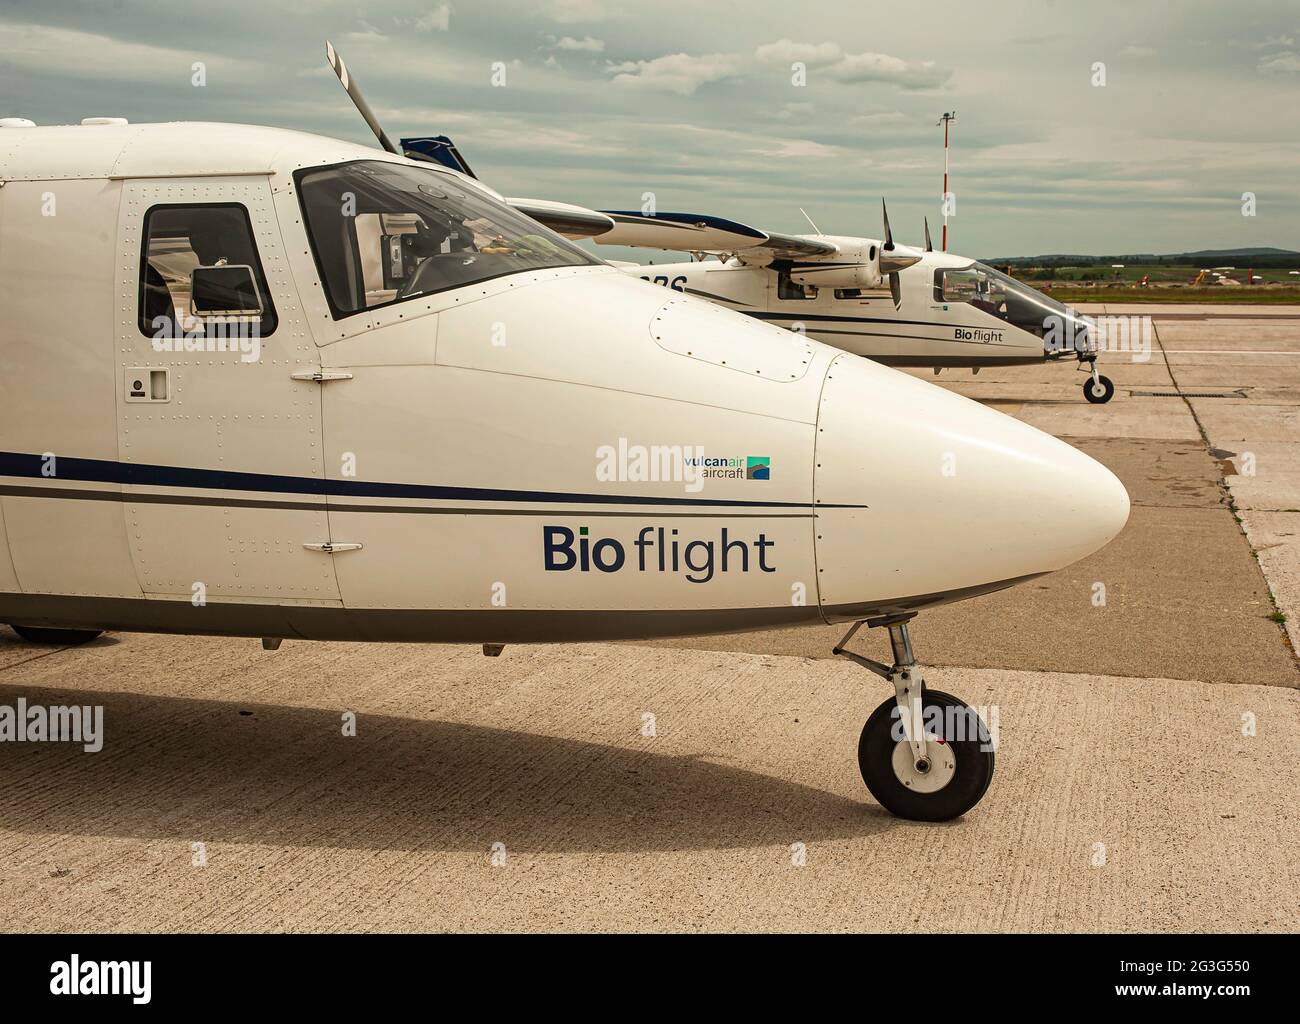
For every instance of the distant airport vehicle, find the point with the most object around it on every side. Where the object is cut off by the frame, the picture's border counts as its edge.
(260, 383)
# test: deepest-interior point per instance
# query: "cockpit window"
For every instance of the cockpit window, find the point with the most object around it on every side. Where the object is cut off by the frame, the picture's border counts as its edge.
(386, 232)
(1001, 296)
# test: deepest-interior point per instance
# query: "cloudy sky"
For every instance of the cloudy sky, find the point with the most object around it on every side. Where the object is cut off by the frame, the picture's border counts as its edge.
(604, 101)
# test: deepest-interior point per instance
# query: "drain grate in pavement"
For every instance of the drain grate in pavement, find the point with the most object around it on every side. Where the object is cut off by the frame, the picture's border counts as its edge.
(1239, 393)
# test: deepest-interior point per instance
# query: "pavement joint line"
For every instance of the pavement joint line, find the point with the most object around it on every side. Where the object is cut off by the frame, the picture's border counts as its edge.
(1100, 675)
(1279, 616)
(849, 671)
(35, 657)
(1160, 504)
(553, 654)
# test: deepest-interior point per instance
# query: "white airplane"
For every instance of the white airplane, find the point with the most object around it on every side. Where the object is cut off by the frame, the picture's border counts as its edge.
(260, 383)
(872, 297)
(894, 304)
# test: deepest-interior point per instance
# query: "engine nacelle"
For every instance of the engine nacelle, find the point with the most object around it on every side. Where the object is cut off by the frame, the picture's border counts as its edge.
(851, 267)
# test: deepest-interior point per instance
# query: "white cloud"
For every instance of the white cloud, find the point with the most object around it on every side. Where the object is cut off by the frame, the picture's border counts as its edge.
(880, 67)
(367, 33)
(800, 110)
(814, 55)
(437, 20)
(568, 12)
(1287, 63)
(1137, 51)
(855, 67)
(47, 49)
(882, 118)
(676, 72)
(586, 43)
(798, 149)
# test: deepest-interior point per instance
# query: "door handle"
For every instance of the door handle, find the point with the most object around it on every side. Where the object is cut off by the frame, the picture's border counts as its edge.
(321, 375)
(331, 548)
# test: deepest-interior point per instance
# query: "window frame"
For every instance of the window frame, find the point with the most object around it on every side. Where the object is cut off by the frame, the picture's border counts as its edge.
(784, 281)
(259, 274)
(941, 277)
(337, 313)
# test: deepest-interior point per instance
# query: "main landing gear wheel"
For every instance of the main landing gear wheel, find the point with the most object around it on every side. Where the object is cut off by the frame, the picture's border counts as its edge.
(56, 637)
(1098, 390)
(923, 754)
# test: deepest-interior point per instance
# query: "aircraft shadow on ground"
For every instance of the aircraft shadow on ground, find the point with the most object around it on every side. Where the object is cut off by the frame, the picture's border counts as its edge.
(215, 771)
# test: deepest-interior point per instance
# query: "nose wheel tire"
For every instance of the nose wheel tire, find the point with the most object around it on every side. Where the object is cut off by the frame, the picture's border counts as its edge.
(56, 637)
(1099, 391)
(954, 776)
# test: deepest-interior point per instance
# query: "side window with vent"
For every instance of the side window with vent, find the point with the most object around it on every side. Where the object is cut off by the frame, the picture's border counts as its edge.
(200, 274)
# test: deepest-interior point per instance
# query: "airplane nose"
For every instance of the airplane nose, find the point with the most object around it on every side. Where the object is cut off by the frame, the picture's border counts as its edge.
(925, 496)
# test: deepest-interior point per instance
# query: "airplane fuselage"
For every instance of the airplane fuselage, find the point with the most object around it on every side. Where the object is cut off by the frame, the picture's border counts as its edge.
(923, 329)
(451, 426)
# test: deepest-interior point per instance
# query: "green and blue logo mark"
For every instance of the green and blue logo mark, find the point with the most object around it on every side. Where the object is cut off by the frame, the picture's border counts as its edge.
(758, 467)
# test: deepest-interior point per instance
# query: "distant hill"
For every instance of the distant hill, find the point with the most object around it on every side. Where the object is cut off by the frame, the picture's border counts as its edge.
(1260, 256)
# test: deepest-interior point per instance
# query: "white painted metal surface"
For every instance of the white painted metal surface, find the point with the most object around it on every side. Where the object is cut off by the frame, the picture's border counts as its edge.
(504, 460)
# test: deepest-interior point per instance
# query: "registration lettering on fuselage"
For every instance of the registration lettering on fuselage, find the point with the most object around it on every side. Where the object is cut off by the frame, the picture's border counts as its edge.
(677, 284)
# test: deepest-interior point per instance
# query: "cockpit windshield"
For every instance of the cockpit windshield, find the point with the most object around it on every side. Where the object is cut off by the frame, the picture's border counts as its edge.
(386, 232)
(1008, 299)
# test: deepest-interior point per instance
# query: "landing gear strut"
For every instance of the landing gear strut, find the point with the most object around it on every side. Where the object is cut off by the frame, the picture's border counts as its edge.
(923, 754)
(1097, 389)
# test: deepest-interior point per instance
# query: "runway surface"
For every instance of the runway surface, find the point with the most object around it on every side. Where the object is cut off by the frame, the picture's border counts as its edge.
(1147, 772)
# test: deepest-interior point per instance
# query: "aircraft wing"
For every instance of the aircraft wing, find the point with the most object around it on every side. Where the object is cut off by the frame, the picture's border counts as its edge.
(674, 232)
(697, 232)
(565, 218)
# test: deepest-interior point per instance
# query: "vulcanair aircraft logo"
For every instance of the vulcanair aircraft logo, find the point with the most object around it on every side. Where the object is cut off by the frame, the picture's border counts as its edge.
(687, 464)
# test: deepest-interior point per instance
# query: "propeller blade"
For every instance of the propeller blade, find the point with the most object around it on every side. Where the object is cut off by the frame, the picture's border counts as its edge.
(889, 236)
(896, 290)
(349, 83)
(929, 246)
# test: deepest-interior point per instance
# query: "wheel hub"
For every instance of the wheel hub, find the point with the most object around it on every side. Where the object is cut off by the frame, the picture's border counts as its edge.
(930, 774)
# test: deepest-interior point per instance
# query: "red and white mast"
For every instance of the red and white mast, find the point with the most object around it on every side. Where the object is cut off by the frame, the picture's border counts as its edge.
(946, 120)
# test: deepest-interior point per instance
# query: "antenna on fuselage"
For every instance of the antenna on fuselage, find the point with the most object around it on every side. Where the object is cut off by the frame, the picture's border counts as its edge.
(359, 101)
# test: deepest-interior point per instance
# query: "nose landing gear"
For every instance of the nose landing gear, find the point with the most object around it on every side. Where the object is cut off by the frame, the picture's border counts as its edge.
(923, 754)
(1097, 389)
